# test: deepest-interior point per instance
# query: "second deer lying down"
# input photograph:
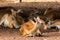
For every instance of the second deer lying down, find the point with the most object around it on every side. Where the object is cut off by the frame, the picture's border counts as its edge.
(9, 20)
(56, 24)
(32, 28)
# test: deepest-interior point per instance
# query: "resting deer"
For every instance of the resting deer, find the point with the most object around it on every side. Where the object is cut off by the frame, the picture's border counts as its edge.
(9, 20)
(32, 28)
(56, 24)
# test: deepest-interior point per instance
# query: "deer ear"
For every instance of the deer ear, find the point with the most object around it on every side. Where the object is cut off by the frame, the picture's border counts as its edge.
(13, 12)
(38, 18)
(35, 19)
(19, 10)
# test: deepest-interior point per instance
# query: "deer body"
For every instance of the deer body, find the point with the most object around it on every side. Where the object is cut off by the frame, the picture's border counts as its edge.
(32, 28)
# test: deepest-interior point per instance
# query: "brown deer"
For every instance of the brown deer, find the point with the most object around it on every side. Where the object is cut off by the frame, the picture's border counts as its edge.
(9, 20)
(32, 28)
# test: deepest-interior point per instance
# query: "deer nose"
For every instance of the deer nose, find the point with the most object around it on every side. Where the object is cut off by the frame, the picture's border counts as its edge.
(16, 26)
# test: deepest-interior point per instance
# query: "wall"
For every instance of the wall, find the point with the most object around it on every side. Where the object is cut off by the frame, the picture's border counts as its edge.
(10, 1)
(18, 1)
(40, 0)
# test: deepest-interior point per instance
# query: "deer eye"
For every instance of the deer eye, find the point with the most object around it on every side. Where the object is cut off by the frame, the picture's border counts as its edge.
(41, 23)
(38, 22)
(13, 18)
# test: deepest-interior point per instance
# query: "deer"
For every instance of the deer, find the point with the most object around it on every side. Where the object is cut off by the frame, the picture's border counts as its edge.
(32, 28)
(10, 20)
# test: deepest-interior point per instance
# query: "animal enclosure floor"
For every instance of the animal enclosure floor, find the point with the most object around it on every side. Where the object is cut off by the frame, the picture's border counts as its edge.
(13, 34)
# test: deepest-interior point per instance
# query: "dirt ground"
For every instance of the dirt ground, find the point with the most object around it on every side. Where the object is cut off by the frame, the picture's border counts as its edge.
(13, 34)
